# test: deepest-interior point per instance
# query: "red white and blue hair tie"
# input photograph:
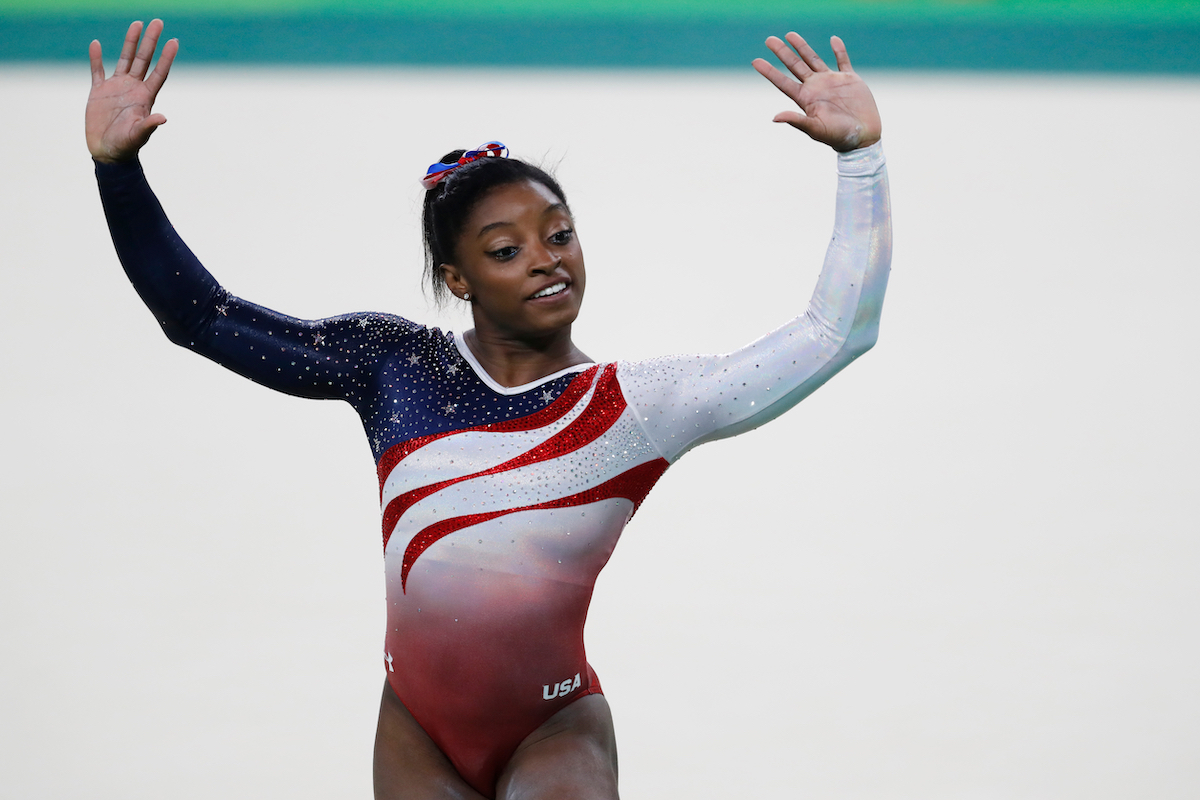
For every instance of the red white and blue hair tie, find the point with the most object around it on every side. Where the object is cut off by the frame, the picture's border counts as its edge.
(438, 171)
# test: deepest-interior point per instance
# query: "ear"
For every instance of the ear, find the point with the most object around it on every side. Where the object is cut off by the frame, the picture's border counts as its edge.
(455, 281)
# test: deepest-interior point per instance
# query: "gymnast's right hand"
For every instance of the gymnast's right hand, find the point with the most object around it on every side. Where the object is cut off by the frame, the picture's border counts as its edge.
(118, 119)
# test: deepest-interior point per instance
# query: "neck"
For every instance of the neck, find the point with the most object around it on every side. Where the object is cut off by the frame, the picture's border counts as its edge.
(515, 362)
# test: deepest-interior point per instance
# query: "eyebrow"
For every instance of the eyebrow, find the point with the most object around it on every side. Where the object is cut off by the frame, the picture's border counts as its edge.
(550, 209)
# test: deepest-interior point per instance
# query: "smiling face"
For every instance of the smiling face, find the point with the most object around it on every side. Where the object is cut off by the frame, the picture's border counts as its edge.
(521, 262)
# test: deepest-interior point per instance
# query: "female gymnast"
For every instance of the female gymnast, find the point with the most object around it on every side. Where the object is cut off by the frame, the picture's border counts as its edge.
(508, 461)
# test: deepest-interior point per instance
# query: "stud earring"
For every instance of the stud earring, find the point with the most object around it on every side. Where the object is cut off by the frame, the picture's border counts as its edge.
(467, 296)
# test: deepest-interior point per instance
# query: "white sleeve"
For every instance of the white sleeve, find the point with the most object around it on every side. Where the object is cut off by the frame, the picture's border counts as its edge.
(683, 401)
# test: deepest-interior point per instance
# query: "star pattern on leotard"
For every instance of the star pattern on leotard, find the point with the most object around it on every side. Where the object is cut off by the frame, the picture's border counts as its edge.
(424, 384)
(223, 310)
(364, 323)
(318, 339)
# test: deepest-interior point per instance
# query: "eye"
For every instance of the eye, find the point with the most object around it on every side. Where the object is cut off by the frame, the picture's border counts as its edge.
(504, 253)
(562, 237)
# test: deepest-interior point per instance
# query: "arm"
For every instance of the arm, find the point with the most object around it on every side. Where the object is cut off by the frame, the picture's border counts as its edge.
(684, 401)
(319, 358)
(310, 358)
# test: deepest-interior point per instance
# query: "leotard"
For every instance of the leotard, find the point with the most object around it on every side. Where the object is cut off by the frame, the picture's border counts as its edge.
(501, 505)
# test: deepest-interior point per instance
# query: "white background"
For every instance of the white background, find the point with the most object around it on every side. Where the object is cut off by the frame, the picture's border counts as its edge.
(967, 568)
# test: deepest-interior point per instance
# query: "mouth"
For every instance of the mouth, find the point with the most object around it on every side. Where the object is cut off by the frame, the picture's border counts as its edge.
(552, 290)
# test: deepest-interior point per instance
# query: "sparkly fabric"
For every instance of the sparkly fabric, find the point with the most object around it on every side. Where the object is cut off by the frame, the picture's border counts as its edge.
(684, 401)
(594, 417)
(500, 506)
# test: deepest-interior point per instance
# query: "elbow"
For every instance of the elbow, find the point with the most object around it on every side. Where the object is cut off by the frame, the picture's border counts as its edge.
(175, 334)
(178, 333)
(186, 326)
(861, 340)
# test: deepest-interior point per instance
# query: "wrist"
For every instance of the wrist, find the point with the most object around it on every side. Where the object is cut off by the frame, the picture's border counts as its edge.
(861, 161)
(109, 158)
(115, 172)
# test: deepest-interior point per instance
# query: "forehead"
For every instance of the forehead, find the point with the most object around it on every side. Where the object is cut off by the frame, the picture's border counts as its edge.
(513, 202)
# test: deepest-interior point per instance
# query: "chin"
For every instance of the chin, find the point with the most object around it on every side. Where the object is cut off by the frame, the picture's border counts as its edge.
(557, 323)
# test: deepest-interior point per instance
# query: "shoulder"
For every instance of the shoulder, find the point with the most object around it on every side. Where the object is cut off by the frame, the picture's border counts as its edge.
(368, 332)
(373, 324)
(660, 372)
(366, 337)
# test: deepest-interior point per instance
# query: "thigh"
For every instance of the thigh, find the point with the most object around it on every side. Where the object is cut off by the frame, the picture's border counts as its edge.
(572, 755)
(408, 765)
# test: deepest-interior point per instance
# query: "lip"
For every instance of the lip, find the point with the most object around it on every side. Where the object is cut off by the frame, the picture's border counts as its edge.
(550, 298)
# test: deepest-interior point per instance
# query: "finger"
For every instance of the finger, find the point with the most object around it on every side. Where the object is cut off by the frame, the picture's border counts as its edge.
(807, 53)
(145, 53)
(162, 69)
(797, 120)
(128, 48)
(97, 61)
(839, 51)
(151, 122)
(782, 82)
(789, 58)
(146, 127)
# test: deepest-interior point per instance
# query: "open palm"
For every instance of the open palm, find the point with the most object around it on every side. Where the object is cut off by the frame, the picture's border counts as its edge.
(119, 118)
(839, 109)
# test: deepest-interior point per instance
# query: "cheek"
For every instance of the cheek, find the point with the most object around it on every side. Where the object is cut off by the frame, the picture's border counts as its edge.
(575, 258)
(580, 272)
(485, 276)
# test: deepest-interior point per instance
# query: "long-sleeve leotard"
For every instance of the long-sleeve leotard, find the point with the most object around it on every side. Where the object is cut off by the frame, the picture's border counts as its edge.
(688, 400)
(501, 505)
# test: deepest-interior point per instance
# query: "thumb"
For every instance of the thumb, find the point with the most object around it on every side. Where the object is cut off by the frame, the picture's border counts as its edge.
(797, 120)
(148, 126)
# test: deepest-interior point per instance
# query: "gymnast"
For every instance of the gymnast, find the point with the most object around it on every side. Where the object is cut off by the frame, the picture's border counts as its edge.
(508, 461)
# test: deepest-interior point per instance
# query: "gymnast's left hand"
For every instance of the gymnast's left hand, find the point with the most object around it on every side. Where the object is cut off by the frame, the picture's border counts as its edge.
(838, 108)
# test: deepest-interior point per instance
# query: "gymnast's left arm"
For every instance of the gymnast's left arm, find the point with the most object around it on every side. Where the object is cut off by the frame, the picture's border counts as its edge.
(683, 401)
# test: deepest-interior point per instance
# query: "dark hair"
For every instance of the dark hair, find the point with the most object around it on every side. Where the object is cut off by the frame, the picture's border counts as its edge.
(450, 202)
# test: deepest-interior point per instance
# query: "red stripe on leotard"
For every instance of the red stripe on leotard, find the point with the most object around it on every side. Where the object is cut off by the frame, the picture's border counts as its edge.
(584, 429)
(565, 402)
(633, 485)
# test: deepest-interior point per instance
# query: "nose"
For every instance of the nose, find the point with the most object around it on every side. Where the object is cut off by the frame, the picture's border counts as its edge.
(543, 261)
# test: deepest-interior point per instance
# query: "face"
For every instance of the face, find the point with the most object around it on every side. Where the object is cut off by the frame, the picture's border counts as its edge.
(520, 260)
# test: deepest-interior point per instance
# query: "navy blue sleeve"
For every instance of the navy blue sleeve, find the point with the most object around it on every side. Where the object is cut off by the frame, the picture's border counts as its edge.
(327, 358)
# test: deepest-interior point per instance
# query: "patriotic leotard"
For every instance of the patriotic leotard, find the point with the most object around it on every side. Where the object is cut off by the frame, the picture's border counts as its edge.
(501, 505)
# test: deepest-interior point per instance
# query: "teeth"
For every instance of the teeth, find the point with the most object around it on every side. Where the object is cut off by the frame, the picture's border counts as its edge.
(549, 290)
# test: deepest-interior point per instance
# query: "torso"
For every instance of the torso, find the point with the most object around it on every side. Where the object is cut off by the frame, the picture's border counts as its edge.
(500, 507)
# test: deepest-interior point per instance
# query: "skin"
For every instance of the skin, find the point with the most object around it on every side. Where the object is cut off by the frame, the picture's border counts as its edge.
(573, 754)
(518, 240)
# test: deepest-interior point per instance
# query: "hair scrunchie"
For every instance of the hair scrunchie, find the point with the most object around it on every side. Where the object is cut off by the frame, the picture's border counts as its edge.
(439, 170)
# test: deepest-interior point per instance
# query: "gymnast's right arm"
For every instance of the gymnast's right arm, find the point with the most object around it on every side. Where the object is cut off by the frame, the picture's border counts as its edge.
(310, 358)
(322, 358)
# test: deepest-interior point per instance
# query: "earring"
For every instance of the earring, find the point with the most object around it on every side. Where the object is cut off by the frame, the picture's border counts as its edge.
(467, 296)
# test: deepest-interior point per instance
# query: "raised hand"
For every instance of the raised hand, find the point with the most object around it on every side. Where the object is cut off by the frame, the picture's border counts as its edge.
(838, 107)
(118, 119)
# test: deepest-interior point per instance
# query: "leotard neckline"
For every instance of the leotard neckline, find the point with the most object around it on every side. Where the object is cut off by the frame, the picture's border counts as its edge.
(491, 383)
